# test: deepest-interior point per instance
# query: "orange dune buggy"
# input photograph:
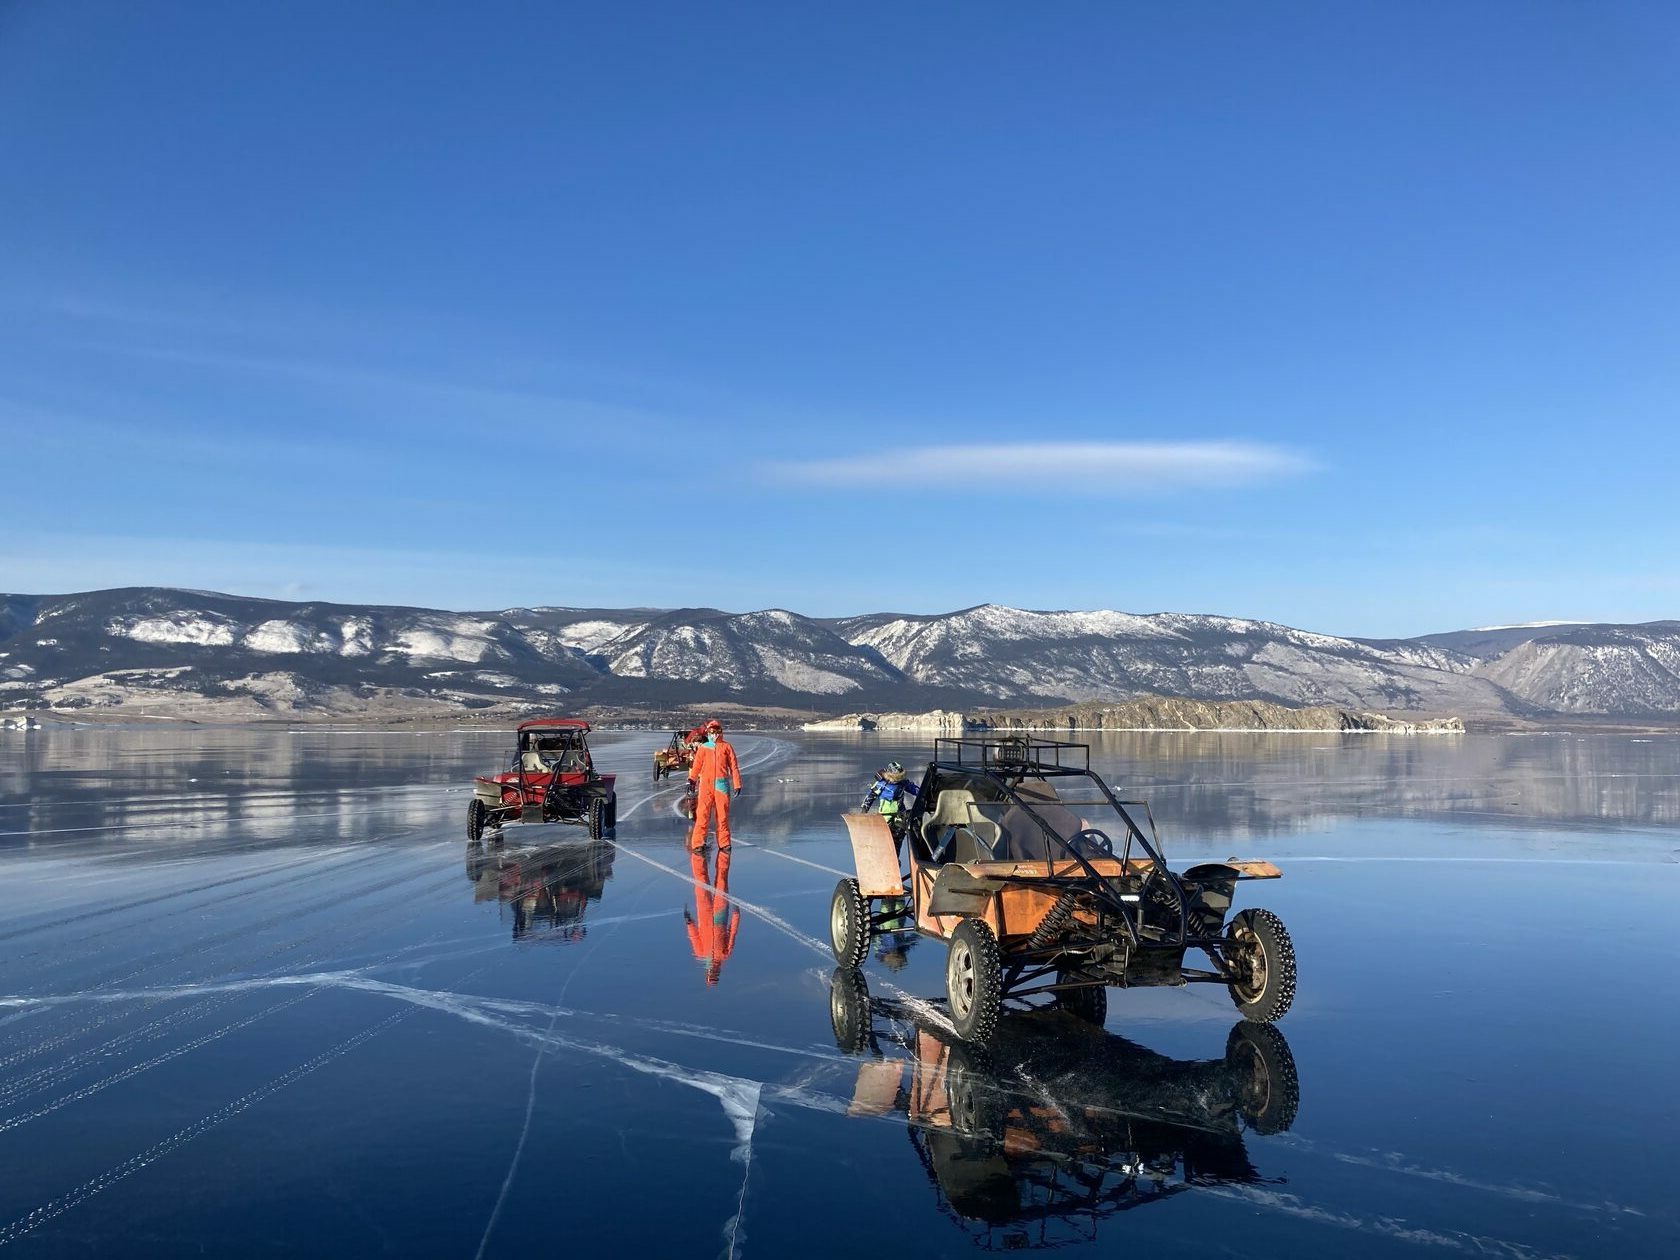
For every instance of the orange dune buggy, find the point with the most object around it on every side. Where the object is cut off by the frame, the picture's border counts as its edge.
(677, 755)
(1042, 881)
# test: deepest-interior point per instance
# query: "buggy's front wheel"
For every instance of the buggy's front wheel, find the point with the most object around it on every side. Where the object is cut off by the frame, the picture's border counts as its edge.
(974, 980)
(597, 817)
(848, 924)
(475, 820)
(1261, 960)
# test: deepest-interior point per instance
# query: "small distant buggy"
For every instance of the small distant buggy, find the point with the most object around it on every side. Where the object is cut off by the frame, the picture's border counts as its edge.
(552, 780)
(677, 755)
(1044, 883)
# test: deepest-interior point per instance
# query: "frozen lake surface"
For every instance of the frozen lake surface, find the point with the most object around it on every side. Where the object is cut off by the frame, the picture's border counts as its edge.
(258, 997)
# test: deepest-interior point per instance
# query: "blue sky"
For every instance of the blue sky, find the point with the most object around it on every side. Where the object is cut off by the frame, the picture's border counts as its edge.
(1359, 318)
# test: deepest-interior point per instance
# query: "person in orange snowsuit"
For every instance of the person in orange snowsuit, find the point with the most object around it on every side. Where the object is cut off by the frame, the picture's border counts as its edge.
(714, 777)
(712, 926)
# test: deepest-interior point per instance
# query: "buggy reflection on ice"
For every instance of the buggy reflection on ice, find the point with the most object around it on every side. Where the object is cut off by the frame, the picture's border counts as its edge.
(548, 888)
(1054, 1126)
(552, 780)
(1044, 883)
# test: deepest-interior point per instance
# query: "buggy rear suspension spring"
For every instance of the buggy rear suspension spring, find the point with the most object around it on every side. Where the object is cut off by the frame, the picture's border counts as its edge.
(1052, 923)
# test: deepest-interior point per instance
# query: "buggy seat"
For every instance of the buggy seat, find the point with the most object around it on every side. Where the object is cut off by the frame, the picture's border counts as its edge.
(952, 819)
(1013, 832)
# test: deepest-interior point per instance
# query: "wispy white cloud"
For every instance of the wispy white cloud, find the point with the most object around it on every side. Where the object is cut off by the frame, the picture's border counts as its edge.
(1091, 468)
(492, 401)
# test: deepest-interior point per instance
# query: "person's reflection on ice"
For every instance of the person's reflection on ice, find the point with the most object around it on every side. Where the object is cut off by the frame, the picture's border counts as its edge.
(714, 921)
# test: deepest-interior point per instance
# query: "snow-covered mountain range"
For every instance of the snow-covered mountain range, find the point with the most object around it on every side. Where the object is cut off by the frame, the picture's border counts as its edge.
(188, 649)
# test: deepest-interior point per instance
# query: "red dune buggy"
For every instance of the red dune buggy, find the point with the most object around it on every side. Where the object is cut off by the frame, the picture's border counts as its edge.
(552, 780)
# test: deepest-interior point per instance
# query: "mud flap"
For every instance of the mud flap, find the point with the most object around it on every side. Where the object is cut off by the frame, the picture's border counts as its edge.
(875, 854)
(1211, 887)
(955, 891)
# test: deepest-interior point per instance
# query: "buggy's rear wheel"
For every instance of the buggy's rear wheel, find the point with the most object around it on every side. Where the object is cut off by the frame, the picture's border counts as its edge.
(1268, 1089)
(1261, 956)
(597, 817)
(475, 820)
(848, 924)
(1088, 1002)
(974, 980)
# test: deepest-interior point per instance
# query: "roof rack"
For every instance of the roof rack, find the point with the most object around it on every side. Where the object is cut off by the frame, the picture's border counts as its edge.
(1014, 752)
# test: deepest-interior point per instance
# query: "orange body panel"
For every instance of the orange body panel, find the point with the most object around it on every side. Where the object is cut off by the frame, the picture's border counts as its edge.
(1018, 909)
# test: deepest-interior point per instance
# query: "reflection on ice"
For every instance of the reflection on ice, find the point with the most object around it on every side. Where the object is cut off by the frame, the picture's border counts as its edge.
(715, 921)
(1058, 1124)
(547, 888)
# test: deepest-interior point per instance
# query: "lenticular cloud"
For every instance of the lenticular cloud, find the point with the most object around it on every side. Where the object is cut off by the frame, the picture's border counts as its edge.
(1080, 467)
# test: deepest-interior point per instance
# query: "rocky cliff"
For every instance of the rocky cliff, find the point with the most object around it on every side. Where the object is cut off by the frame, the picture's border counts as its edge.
(1148, 713)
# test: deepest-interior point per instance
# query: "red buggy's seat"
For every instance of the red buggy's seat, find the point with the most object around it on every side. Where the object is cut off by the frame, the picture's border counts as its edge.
(536, 785)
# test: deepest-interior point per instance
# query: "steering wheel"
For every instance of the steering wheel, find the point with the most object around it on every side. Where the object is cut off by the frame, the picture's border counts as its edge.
(1096, 838)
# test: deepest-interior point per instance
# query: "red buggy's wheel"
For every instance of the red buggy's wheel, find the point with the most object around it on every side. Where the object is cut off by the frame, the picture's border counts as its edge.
(475, 820)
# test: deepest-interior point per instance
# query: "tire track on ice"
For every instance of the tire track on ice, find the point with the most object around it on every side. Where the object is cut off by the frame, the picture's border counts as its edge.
(139, 903)
(19, 1088)
(289, 880)
(222, 999)
(42, 1046)
(55, 1208)
(8, 1123)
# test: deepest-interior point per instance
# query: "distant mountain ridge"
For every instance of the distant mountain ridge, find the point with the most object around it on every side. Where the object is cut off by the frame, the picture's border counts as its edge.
(195, 652)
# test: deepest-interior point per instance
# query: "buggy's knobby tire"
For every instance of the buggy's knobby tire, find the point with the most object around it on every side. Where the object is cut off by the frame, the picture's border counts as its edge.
(974, 981)
(475, 820)
(848, 1009)
(597, 817)
(848, 925)
(611, 819)
(1268, 1088)
(1088, 1003)
(1267, 1000)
